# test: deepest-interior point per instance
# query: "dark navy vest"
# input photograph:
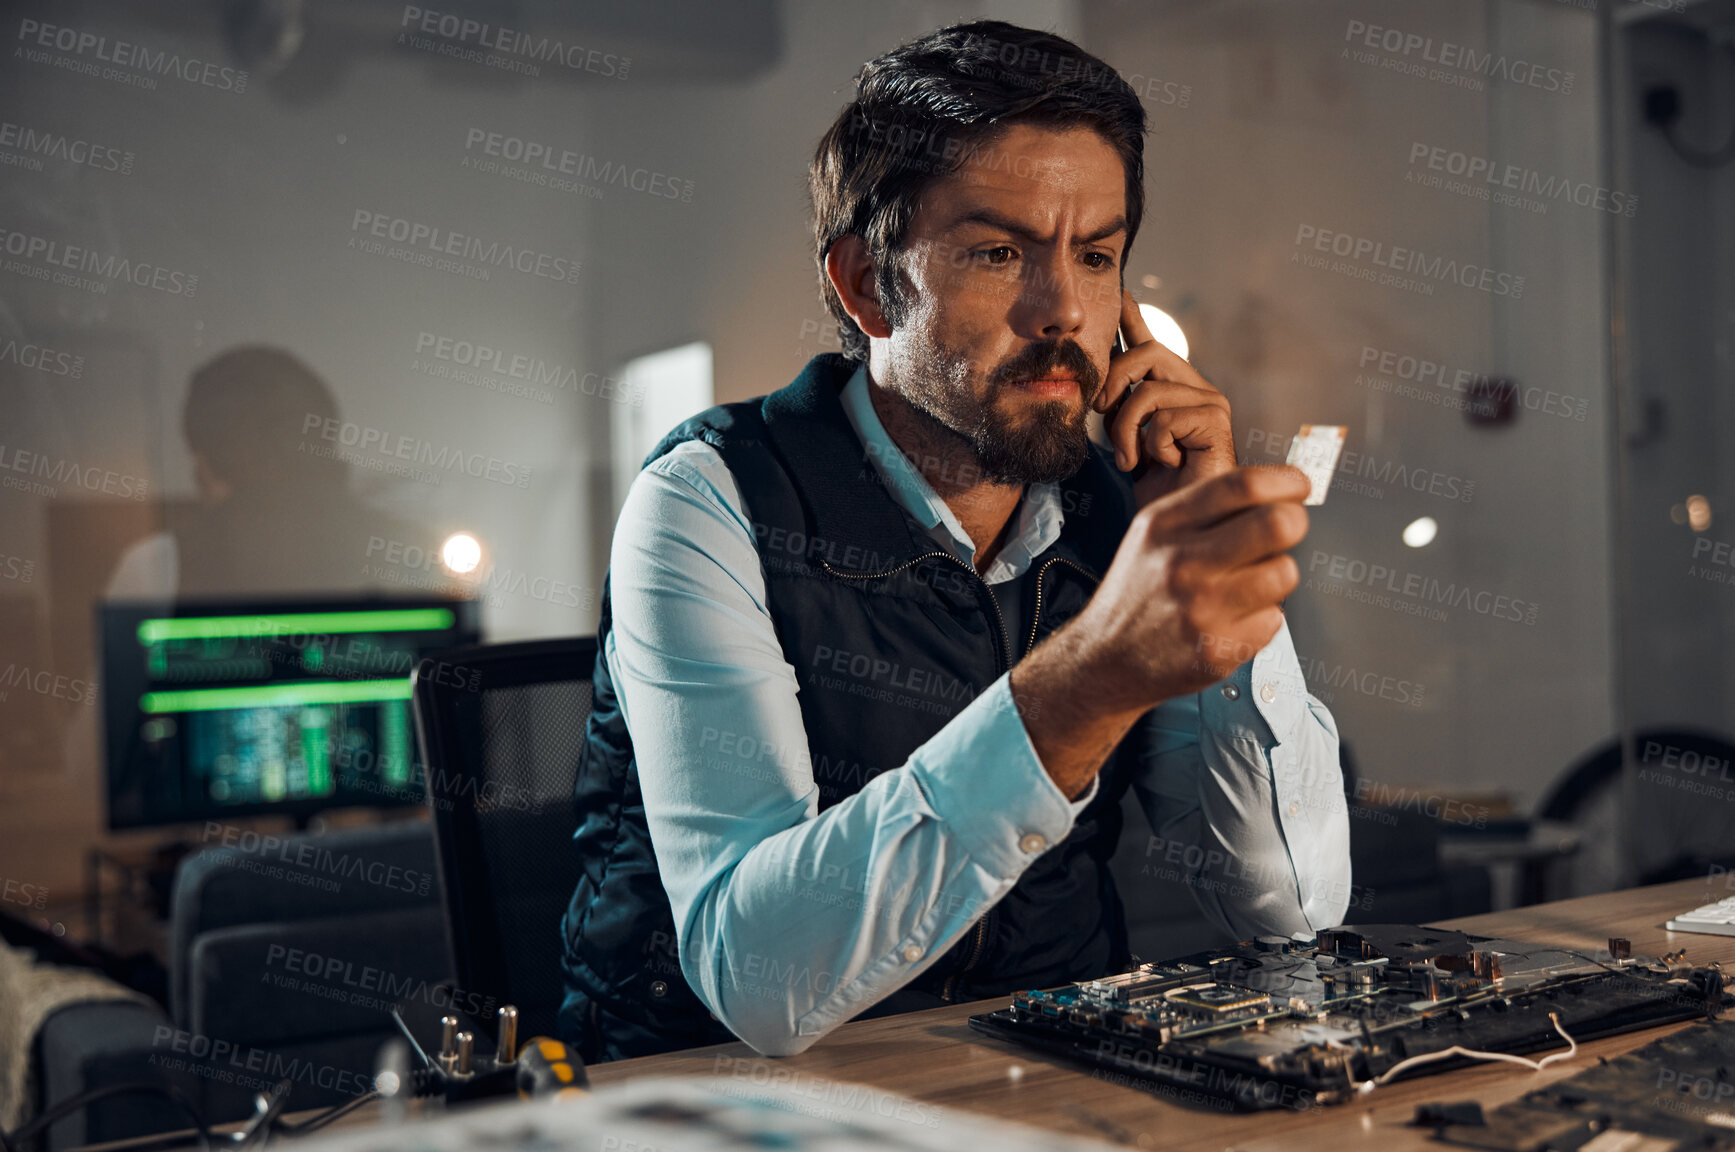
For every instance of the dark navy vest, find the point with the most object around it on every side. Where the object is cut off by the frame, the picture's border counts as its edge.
(890, 636)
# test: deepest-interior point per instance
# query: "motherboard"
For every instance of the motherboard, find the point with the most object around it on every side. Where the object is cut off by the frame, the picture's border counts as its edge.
(1277, 1023)
(1675, 1094)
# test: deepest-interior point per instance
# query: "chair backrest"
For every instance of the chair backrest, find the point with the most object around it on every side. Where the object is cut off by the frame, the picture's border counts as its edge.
(501, 728)
(1600, 768)
(1680, 817)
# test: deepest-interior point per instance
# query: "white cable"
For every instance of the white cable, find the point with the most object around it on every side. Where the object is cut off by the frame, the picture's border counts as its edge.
(1367, 1086)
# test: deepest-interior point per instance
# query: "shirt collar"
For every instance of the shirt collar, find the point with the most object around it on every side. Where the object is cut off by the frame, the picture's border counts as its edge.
(1039, 516)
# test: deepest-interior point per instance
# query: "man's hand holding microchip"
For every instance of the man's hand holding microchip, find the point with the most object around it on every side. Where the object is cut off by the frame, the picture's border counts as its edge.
(1201, 571)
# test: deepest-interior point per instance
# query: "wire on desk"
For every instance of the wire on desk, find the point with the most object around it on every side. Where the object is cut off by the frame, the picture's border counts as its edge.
(1367, 1086)
(10, 1141)
(336, 1112)
(422, 1084)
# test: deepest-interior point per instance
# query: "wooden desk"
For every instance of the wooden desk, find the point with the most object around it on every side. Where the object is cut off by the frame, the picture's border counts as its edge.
(937, 1058)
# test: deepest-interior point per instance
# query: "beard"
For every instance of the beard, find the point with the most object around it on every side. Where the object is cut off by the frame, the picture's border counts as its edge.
(1013, 442)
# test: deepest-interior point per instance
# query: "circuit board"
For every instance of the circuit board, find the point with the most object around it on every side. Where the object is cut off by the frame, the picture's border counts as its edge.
(1276, 1023)
(1676, 1094)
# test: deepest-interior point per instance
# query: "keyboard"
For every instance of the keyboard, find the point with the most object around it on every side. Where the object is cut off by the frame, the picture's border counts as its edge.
(1716, 919)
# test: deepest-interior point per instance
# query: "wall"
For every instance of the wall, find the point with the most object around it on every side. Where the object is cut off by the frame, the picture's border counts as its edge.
(1274, 123)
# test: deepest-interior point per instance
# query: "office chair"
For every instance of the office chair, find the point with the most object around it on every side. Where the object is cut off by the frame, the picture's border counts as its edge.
(500, 728)
(1684, 831)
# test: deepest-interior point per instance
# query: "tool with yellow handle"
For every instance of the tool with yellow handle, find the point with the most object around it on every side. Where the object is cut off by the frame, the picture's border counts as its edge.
(549, 1068)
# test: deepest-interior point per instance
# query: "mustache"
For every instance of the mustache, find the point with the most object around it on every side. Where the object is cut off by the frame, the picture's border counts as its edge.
(1038, 360)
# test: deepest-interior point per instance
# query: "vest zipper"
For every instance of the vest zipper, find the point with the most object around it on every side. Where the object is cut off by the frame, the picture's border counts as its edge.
(980, 938)
(1005, 637)
(1036, 613)
(979, 934)
(981, 930)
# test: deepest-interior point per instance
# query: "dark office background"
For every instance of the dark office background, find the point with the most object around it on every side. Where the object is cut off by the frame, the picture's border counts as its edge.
(1578, 586)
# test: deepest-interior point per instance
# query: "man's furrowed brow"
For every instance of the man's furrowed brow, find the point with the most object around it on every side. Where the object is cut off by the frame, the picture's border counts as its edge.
(1004, 223)
(1113, 228)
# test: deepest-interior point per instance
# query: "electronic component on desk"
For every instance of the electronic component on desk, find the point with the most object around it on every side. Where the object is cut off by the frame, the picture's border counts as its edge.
(1219, 1000)
(721, 1113)
(1713, 919)
(1315, 450)
(1274, 1023)
(1674, 1093)
(459, 1060)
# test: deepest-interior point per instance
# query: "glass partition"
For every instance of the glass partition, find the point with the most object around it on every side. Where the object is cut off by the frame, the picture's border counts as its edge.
(370, 297)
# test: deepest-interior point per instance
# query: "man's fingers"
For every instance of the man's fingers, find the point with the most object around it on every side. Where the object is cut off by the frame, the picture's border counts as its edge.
(1123, 369)
(1169, 407)
(1169, 430)
(1141, 365)
(1201, 430)
(1260, 586)
(1252, 535)
(1133, 321)
(1200, 505)
(1145, 358)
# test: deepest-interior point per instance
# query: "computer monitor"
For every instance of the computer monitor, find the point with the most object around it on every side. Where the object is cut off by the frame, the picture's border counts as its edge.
(216, 709)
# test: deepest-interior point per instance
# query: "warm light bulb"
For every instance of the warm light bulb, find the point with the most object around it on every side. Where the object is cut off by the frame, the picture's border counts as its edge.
(1698, 513)
(1163, 327)
(1421, 533)
(461, 553)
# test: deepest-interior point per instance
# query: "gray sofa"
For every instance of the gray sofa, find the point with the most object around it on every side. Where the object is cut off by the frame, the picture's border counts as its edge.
(285, 960)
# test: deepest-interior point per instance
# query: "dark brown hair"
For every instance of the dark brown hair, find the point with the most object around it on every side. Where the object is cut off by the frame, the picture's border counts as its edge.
(923, 109)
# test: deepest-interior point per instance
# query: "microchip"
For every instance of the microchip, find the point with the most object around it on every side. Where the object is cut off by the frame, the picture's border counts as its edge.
(1315, 450)
(1218, 998)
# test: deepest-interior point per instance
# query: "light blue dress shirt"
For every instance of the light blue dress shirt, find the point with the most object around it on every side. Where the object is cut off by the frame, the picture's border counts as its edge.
(790, 920)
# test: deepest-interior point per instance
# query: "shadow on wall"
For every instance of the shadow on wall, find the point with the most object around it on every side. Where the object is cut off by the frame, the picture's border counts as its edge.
(274, 512)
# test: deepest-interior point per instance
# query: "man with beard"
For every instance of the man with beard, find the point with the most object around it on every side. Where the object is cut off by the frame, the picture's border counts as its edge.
(881, 652)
